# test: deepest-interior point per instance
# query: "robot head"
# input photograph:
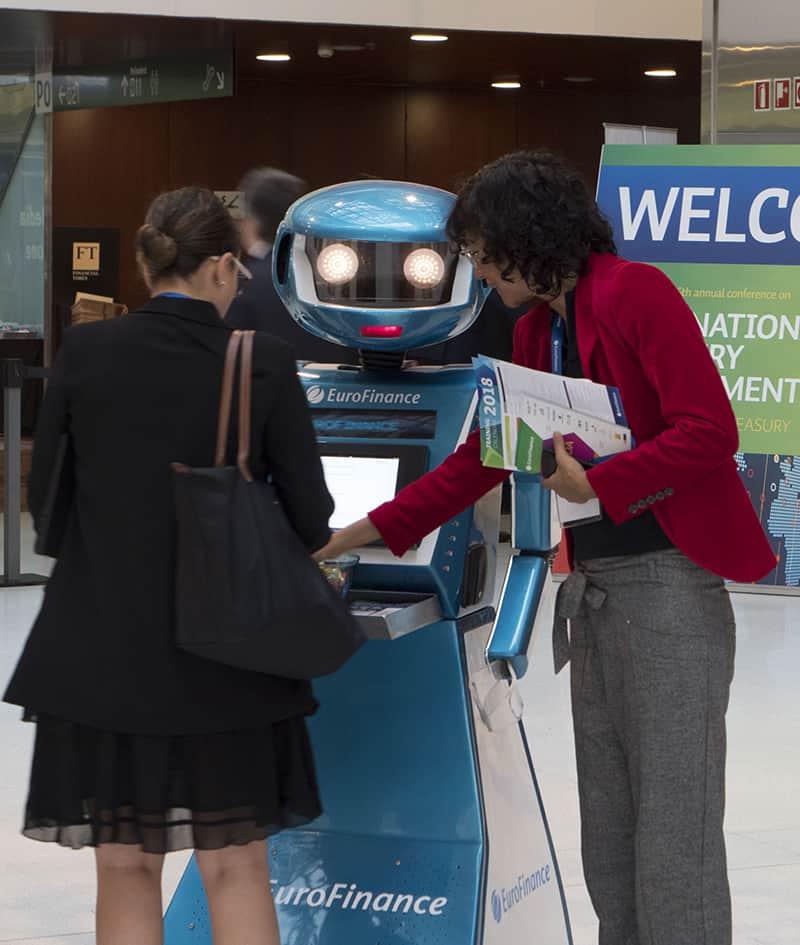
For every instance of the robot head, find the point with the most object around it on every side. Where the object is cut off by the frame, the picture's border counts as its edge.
(368, 264)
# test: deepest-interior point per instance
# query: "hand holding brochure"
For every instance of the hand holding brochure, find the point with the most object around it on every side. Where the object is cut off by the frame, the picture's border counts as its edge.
(520, 410)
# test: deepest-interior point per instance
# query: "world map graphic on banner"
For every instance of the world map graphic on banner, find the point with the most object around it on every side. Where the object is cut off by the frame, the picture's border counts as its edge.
(773, 483)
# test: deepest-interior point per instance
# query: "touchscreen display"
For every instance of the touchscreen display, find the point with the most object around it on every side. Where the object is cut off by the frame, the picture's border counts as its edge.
(358, 484)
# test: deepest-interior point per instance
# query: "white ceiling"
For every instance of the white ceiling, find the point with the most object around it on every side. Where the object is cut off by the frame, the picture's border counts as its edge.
(654, 19)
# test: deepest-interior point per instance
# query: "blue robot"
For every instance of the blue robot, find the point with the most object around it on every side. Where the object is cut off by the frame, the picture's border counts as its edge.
(434, 829)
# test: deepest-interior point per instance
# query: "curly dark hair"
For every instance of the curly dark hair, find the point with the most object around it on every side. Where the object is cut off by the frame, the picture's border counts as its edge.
(533, 213)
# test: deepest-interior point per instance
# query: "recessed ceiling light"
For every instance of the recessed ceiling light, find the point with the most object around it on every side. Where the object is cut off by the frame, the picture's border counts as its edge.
(507, 84)
(274, 57)
(579, 78)
(429, 37)
(661, 73)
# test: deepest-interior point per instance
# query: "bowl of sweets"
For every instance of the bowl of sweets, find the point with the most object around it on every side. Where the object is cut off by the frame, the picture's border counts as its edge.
(339, 572)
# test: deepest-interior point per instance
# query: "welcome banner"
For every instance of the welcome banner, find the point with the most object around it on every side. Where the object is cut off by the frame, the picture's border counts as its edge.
(723, 223)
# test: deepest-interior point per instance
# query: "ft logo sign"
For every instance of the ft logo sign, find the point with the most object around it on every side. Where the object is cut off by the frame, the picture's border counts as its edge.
(85, 260)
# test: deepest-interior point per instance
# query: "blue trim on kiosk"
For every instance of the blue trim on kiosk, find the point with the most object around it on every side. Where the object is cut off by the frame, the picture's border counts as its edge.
(431, 830)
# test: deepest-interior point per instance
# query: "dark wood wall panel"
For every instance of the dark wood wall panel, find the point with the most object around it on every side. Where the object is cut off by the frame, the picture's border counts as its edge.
(212, 143)
(339, 132)
(569, 123)
(109, 163)
(452, 133)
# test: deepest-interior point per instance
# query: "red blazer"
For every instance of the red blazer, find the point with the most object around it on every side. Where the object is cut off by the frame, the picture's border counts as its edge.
(634, 332)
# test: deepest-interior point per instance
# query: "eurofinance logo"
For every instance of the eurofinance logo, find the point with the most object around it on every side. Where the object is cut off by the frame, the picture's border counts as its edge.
(349, 898)
(366, 395)
(505, 899)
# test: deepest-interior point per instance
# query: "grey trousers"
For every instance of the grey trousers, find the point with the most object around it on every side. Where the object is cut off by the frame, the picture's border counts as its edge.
(652, 640)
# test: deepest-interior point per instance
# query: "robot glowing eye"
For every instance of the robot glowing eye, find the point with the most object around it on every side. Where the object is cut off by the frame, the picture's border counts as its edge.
(424, 268)
(337, 264)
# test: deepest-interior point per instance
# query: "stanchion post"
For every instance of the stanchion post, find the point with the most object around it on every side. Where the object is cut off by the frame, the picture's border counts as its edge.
(12, 375)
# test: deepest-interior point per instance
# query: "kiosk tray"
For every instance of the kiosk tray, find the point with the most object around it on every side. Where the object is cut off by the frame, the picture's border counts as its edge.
(386, 615)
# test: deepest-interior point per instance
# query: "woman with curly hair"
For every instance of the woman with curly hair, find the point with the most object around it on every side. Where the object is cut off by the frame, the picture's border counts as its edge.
(651, 630)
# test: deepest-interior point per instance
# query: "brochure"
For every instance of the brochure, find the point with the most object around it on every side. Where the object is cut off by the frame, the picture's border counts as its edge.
(520, 409)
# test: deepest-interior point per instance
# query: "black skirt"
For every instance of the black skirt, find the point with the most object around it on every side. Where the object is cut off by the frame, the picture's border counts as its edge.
(168, 792)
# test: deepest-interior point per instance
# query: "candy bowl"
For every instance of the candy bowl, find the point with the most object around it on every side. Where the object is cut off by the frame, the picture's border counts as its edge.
(339, 572)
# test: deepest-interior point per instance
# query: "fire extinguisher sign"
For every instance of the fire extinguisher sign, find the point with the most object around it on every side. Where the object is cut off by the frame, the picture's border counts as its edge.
(783, 95)
(776, 95)
(762, 101)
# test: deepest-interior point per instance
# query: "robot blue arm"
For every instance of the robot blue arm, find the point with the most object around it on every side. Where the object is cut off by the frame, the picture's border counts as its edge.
(527, 572)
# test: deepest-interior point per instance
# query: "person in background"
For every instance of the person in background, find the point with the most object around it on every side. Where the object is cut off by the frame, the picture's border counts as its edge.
(141, 748)
(652, 633)
(267, 195)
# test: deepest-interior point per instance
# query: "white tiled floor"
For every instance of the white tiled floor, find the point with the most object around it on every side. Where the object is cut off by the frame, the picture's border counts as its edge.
(46, 894)
(763, 811)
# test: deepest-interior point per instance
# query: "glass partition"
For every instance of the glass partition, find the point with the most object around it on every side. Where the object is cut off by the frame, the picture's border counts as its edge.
(22, 210)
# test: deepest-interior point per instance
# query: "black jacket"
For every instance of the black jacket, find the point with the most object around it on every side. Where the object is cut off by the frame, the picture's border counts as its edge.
(136, 394)
(259, 307)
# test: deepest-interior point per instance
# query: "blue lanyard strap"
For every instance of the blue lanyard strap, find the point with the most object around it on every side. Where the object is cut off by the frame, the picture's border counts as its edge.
(557, 334)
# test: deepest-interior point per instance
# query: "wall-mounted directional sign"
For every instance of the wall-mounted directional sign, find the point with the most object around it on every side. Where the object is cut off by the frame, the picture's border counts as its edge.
(232, 201)
(189, 75)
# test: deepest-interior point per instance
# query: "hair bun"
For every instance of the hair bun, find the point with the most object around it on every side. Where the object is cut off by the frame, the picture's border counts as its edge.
(159, 249)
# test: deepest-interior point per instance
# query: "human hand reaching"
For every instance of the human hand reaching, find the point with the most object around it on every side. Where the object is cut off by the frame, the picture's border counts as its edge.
(362, 532)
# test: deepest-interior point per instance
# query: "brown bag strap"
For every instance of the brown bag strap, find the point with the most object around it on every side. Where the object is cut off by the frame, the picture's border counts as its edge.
(245, 399)
(226, 397)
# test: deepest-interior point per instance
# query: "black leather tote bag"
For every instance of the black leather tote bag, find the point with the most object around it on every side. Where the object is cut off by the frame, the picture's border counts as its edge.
(51, 522)
(247, 592)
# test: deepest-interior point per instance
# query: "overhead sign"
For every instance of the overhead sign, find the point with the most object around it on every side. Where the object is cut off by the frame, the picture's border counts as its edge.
(43, 93)
(723, 223)
(190, 75)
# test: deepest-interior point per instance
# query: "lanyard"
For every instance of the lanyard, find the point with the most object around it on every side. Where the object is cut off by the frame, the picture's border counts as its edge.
(557, 343)
(172, 295)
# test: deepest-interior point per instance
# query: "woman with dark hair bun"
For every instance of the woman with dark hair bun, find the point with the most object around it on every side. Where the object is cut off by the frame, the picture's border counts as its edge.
(141, 748)
(651, 630)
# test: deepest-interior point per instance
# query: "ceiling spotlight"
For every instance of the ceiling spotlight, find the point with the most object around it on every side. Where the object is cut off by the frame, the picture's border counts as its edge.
(337, 264)
(274, 57)
(507, 84)
(661, 73)
(429, 37)
(579, 79)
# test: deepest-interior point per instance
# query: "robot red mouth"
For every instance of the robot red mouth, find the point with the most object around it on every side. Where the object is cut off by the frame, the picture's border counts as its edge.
(381, 331)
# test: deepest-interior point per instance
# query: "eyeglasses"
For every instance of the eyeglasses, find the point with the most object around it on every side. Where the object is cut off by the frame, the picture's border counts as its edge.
(243, 274)
(476, 256)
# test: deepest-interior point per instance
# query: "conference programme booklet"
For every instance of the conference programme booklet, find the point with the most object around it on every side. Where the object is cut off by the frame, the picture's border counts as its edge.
(520, 409)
